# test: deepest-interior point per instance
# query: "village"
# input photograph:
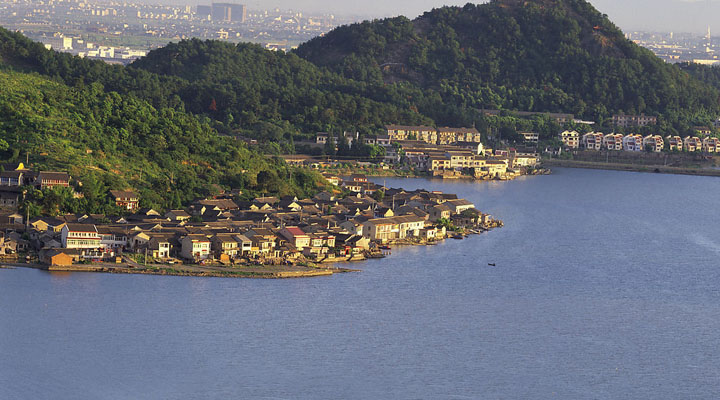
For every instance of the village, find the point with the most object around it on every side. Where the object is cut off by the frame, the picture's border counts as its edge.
(358, 220)
(449, 153)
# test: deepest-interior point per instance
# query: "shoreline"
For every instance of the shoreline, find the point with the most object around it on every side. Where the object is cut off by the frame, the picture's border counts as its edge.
(258, 272)
(657, 169)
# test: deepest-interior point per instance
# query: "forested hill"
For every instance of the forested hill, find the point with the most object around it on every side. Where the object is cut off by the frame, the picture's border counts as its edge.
(245, 86)
(543, 55)
(65, 114)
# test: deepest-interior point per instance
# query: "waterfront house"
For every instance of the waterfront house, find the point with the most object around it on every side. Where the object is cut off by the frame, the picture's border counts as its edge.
(692, 144)
(112, 237)
(613, 141)
(570, 139)
(654, 142)
(80, 236)
(711, 145)
(57, 257)
(161, 246)
(458, 206)
(633, 142)
(227, 246)
(440, 211)
(525, 160)
(592, 140)
(675, 143)
(195, 247)
(295, 236)
(385, 229)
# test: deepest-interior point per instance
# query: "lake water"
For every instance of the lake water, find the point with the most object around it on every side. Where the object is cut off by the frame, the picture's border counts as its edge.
(606, 286)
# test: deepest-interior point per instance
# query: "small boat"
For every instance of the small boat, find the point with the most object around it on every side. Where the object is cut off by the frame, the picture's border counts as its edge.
(384, 247)
(491, 264)
(458, 237)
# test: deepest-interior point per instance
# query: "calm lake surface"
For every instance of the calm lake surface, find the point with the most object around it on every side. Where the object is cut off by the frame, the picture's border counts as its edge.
(606, 286)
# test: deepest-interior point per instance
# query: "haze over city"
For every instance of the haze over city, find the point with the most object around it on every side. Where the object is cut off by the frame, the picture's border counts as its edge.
(661, 15)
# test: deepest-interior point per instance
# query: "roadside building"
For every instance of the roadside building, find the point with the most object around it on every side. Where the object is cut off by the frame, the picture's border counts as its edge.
(295, 236)
(654, 142)
(80, 236)
(613, 141)
(571, 139)
(195, 247)
(633, 120)
(675, 143)
(711, 145)
(593, 140)
(692, 144)
(633, 142)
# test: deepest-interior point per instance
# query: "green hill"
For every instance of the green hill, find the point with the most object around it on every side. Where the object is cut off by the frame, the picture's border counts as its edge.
(109, 141)
(538, 55)
(272, 94)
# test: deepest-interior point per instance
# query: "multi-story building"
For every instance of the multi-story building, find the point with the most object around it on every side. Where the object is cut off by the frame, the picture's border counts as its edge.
(675, 143)
(384, 229)
(530, 137)
(447, 135)
(711, 145)
(613, 141)
(692, 144)
(592, 140)
(655, 142)
(48, 179)
(633, 120)
(125, 199)
(228, 12)
(403, 132)
(80, 236)
(633, 142)
(296, 237)
(570, 139)
(195, 247)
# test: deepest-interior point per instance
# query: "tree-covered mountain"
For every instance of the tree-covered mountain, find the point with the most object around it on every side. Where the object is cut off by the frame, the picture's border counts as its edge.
(273, 94)
(539, 55)
(113, 140)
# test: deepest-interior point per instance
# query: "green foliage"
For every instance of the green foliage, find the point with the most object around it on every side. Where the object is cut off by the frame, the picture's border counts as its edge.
(111, 141)
(537, 55)
(272, 95)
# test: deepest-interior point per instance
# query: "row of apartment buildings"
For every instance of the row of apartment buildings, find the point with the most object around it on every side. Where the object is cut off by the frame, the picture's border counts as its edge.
(635, 142)
(427, 134)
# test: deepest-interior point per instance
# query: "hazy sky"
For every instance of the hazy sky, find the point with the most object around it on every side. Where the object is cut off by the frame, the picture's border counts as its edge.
(661, 15)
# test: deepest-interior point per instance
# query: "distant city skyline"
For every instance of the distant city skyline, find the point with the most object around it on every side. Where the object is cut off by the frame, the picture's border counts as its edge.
(630, 15)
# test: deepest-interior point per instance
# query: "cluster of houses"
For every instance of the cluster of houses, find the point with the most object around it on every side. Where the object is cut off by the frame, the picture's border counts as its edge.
(223, 229)
(12, 179)
(465, 156)
(635, 142)
(427, 149)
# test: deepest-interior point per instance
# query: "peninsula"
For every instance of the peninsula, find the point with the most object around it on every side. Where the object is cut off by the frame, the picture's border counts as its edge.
(226, 236)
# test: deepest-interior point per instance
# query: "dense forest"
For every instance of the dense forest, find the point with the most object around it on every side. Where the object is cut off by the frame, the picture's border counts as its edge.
(537, 55)
(106, 140)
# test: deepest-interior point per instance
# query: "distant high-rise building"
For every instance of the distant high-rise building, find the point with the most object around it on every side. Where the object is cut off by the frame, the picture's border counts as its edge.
(204, 11)
(228, 12)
